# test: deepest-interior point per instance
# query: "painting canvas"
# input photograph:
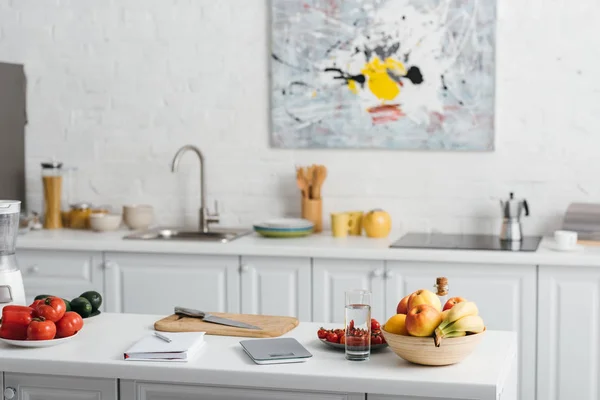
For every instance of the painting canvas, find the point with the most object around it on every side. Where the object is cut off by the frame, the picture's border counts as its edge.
(390, 74)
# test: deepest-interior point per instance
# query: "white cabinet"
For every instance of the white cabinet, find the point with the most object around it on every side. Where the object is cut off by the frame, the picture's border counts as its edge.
(156, 283)
(332, 278)
(569, 333)
(505, 294)
(42, 387)
(163, 391)
(61, 273)
(276, 286)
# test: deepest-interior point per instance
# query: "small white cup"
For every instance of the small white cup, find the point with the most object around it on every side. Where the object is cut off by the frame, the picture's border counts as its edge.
(565, 240)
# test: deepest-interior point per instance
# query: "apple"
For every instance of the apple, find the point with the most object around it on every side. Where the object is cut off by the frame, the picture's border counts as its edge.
(403, 305)
(452, 301)
(424, 296)
(422, 320)
(377, 223)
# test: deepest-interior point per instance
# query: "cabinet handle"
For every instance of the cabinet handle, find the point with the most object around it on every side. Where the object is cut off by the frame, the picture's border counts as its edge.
(109, 265)
(10, 393)
(378, 272)
(388, 274)
(244, 268)
(34, 269)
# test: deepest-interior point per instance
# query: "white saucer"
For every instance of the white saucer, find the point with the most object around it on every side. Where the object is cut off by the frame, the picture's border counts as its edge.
(573, 249)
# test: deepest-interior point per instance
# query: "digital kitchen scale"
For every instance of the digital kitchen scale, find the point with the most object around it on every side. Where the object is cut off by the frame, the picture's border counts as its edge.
(464, 242)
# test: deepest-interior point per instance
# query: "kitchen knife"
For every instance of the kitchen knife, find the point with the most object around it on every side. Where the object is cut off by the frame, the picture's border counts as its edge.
(206, 317)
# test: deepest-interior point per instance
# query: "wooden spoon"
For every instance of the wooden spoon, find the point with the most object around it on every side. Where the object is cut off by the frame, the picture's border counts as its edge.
(320, 173)
(301, 181)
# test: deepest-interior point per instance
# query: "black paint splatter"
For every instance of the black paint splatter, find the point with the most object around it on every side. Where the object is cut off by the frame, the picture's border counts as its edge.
(414, 75)
(278, 59)
(360, 79)
(443, 82)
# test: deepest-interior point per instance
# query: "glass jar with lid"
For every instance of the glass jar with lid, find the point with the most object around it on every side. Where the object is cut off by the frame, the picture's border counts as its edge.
(52, 179)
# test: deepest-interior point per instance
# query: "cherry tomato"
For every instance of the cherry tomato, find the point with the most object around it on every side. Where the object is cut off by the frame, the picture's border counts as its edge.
(40, 329)
(343, 339)
(20, 315)
(351, 325)
(333, 337)
(376, 339)
(51, 309)
(322, 333)
(13, 331)
(69, 324)
(357, 341)
(375, 326)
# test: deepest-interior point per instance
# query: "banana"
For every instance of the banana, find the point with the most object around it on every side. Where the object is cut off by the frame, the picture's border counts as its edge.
(470, 323)
(459, 311)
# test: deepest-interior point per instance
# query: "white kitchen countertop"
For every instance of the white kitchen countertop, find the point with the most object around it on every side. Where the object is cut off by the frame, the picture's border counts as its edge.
(97, 352)
(318, 246)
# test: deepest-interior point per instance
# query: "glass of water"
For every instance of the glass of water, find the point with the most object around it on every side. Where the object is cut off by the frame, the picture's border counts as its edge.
(358, 325)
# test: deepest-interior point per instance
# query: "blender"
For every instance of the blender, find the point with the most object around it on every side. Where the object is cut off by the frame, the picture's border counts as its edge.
(11, 281)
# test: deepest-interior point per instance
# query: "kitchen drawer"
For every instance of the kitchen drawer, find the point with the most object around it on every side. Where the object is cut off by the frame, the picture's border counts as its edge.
(64, 266)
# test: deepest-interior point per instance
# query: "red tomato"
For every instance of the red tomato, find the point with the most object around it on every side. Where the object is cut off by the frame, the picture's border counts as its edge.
(69, 325)
(333, 337)
(12, 331)
(343, 339)
(51, 309)
(40, 329)
(356, 341)
(375, 326)
(376, 339)
(20, 315)
(322, 333)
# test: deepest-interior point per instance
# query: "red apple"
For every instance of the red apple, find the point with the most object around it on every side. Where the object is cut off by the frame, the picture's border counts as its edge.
(424, 296)
(452, 301)
(422, 320)
(403, 306)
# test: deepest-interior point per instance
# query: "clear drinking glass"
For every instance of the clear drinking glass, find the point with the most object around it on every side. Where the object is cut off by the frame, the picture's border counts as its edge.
(358, 325)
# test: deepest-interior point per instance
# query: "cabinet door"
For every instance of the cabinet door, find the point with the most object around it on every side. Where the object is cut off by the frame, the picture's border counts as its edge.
(42, 387)
(569, 333)
(161, 391)
(331, 279)
(506, 296)
(156, 283)
(276, 286)
(61, 273)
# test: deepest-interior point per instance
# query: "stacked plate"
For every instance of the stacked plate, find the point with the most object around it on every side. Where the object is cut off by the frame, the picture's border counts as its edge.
(284, 228)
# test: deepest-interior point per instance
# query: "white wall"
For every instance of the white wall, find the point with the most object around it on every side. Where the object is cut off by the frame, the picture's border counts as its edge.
(117, 86)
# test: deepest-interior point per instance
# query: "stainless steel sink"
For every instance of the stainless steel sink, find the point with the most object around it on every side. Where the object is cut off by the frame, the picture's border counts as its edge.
(222, 235)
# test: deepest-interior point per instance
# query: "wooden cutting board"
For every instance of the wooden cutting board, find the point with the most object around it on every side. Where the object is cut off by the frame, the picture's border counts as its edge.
(588, 242)
(272, 326)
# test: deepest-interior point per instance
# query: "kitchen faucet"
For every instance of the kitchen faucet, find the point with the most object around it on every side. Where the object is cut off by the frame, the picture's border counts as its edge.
(205, 216)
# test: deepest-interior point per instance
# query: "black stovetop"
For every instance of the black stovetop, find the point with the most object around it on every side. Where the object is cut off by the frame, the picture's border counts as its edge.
(464, 242)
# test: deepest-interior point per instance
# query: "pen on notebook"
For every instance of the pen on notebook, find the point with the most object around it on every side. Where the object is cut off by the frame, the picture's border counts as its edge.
(162, 337)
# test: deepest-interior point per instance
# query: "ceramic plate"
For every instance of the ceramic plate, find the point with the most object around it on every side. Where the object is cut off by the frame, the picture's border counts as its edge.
(283, 233)
(286, 223)
(571, 250)
(343, 346)
(38, 343)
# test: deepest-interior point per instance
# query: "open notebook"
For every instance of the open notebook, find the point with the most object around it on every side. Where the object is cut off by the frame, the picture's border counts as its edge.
(183, 347)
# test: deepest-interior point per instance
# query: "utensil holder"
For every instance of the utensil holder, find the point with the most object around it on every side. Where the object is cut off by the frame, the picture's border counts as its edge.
(312, 210)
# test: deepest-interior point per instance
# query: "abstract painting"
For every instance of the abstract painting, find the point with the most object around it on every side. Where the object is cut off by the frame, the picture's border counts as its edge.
(389, 74)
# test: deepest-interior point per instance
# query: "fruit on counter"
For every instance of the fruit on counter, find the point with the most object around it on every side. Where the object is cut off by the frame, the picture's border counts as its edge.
(15, 320)
(403, 305)
(333, 337)
(460, 327)
(94, 298)
(424, 296)
(13, 331)
(69, 325)
(452, 301)
(375, 325)
(41, 329)
(377, 223)
(353, 336)
(322, 333)
(51, 308)
(41, 296)
(396, 324)
(82, 306)
(67, 305)
(422, 320)
(459, 311)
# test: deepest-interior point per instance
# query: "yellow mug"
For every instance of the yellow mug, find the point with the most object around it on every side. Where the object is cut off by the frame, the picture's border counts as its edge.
(355, 222)
(340, 224)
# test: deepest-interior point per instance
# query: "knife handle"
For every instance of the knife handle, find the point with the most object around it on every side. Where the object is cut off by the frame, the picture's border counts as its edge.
(189, 312)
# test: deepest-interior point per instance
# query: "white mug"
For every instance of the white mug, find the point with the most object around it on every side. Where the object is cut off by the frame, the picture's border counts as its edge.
(565, 240)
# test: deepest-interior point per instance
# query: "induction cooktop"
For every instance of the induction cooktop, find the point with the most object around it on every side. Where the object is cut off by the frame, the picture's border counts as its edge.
(464, 242)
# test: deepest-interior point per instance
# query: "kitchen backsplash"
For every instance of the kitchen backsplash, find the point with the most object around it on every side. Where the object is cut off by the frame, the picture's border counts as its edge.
(116, 87)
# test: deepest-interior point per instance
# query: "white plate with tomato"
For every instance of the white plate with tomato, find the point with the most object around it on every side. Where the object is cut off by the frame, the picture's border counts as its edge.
(337, 338)
(43, 324)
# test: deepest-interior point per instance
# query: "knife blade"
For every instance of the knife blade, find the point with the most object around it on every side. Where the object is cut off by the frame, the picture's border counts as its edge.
(188, 312)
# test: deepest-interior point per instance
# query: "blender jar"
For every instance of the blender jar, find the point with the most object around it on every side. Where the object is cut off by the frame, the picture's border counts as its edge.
(11, 281)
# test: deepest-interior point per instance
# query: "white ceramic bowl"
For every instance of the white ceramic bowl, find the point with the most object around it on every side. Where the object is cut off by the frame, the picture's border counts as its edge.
(105, 222)
(138, 216)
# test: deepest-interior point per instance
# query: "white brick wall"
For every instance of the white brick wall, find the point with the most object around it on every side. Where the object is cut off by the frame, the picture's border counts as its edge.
(117, 86)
